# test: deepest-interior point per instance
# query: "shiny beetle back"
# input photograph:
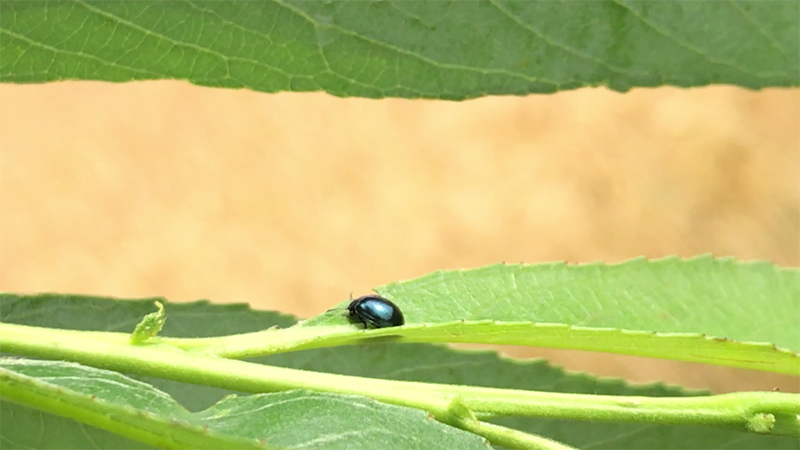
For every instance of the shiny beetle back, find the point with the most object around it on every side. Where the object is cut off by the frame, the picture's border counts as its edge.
(377, 311)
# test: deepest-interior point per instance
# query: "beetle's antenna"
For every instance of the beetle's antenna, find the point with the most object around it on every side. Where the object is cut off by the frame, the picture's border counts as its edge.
(341, 309)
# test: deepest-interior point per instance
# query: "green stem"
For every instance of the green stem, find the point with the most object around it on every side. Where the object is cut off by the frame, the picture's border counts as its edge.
(736, 411)
(705, 350)
(510, 438)
(757, 356)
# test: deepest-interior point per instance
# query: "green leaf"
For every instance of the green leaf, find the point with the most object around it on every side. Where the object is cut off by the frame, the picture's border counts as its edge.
(746, 301)
(26, 429)
(427, 363)
(411, 362)
(292, 419)
(716, 311)
(425, 48)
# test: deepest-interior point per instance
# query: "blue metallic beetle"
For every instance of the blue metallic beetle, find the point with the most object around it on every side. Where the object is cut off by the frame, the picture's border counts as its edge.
(375, 310)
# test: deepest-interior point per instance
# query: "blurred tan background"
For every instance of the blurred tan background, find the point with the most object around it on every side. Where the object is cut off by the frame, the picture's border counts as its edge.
(292, 201)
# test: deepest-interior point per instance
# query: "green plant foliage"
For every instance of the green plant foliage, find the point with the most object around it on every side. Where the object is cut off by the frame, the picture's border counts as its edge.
(716, 311)
(292, 419)
(27, 428)
(745, 301)
(396, 48)
(412, 362)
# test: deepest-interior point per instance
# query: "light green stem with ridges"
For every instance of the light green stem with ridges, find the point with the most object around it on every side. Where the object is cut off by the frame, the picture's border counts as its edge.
(738, 411)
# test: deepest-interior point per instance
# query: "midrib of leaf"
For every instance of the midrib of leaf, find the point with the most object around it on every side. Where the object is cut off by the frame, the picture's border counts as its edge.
(676, 346)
